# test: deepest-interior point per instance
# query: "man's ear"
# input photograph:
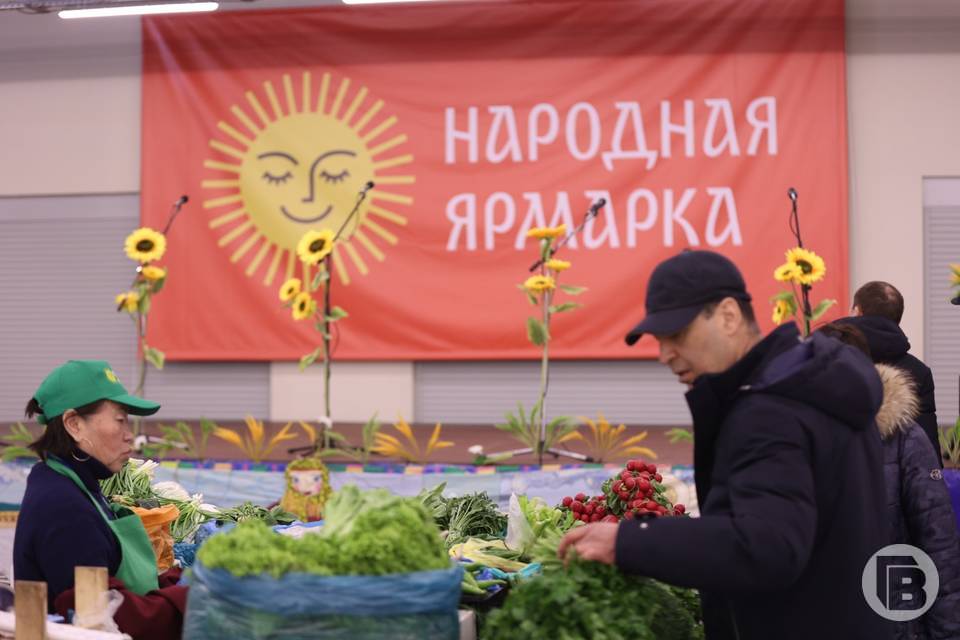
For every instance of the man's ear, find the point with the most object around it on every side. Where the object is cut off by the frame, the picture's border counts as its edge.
(731, 318)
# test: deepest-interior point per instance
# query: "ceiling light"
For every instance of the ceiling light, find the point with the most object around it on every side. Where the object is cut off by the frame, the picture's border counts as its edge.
(139, 10)
(381, 1)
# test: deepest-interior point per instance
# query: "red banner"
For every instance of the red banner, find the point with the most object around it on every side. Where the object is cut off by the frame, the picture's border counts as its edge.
(478, 122)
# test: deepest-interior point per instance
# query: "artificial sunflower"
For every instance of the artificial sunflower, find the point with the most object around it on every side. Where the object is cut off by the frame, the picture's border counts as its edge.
(145, 245)
(314, 246)
(539, 284)
(127, 301)
(788, 272)
(780, 311)
(547, 232)
(303, 306)
(152, 273)
(290, 289)
(810, 264)
(558, 265)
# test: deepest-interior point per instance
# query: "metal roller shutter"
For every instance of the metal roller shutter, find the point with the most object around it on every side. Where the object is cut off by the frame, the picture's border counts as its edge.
(61, 265)
(634, 392)
(941, 239)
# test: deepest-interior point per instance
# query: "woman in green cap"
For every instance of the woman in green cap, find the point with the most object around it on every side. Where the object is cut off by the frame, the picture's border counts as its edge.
(66, 522)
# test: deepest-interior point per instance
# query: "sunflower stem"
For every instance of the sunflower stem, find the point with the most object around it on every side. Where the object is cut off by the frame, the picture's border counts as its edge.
(804, 288)
(798, 310)
(326, 352)
(142, 363)
(544, 373)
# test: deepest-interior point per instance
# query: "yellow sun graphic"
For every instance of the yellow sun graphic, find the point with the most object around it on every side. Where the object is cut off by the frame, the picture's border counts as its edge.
(298, 165)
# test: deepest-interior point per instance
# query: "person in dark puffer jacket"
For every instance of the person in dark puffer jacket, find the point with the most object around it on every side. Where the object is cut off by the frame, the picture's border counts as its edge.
(788, 468)
(878, 310)
(918, 504)
(889, 345)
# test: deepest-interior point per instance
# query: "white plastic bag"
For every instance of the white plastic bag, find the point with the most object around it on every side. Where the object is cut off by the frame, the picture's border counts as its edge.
(519, 533)
(103, 619)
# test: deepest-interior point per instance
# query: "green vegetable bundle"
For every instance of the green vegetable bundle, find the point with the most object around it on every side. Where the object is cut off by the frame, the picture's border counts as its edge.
(132, 484)
(366, 533)
(376, 569)
(249, 511)
(474, 515)
(531, 519)
(591, 600)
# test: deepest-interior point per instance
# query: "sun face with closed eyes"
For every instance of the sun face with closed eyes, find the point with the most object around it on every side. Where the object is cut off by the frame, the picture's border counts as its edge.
(299, 167)
(304, 172)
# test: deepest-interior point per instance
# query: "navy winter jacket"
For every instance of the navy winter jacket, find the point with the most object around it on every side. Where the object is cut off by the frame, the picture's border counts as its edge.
(889, 345)
(789, 476)
(918, 505)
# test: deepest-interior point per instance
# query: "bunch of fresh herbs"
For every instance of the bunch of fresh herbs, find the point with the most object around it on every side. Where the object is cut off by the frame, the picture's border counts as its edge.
(474, 515)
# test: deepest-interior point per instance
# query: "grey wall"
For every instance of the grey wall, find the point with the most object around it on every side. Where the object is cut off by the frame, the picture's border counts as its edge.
(61, 264)
(634, 392)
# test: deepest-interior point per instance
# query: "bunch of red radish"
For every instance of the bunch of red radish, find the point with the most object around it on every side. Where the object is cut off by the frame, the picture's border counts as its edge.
(588, 509)
(634, 492)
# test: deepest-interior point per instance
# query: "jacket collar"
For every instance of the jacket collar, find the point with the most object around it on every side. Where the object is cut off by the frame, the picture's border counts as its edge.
(713, 395)
(90, 470)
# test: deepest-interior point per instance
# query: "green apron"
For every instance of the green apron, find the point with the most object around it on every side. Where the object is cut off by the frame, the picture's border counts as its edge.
(138, 562)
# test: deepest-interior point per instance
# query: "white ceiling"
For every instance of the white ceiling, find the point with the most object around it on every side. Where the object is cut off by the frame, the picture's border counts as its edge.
(25, 37)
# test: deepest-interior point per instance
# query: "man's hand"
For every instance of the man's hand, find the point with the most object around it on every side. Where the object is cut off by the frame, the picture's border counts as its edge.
(596, 541)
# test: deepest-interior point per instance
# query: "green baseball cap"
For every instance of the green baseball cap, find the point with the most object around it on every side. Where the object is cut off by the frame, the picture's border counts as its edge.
(81, 382)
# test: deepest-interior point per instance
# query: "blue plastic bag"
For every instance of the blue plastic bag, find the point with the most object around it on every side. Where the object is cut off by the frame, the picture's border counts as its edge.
(208, 529)
(297, 524)
(951, 478)
(420, 605)
(186, 552)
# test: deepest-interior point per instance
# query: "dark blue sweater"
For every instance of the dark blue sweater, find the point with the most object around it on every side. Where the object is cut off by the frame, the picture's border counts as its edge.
(59, 528)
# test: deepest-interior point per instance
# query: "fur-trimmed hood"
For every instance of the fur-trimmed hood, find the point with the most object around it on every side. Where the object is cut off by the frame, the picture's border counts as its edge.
(900, 405)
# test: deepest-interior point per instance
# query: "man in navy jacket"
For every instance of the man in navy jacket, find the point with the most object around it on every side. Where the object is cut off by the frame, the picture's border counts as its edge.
(788, 466)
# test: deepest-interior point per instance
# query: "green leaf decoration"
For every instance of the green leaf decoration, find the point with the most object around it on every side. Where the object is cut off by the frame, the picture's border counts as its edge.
(566, 306)
(536, 332)
(783, 295)
(321, 277)
(337, 313)
(310, 358)
(154, 357)
(572, 290)
(821, 309)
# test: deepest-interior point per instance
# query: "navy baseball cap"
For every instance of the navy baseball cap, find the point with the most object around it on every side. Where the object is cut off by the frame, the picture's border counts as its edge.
(681, 286)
